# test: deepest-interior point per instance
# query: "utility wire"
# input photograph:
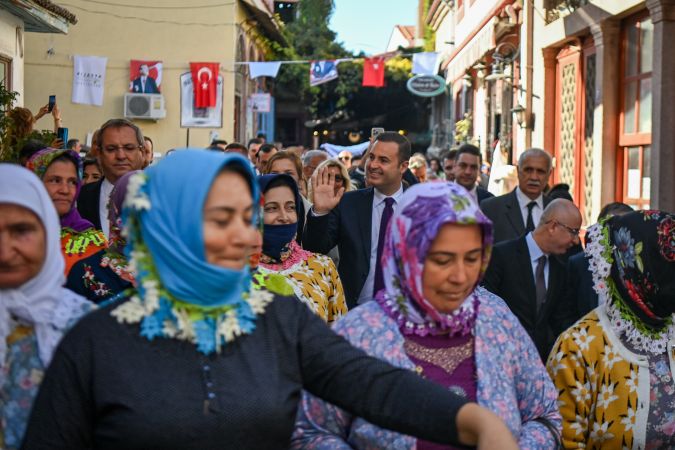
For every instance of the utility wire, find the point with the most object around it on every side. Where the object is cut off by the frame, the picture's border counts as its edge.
(216, 5)
(143, 19)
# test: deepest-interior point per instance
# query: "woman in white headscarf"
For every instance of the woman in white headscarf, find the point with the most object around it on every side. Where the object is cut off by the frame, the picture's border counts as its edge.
(35, 309)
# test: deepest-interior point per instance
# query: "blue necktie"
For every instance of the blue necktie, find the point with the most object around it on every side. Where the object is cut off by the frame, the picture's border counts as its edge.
(378, 284)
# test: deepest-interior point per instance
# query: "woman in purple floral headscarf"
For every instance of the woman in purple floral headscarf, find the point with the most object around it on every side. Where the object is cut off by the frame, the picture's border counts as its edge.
(61, 172)
(434, 319)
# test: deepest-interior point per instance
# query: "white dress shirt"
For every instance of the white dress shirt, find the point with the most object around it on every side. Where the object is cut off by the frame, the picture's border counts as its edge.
(535, 254)
(378, 209)
(537, 211)
(104, 196)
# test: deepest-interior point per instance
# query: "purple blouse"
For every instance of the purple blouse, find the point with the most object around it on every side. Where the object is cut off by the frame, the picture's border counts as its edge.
(446, 361)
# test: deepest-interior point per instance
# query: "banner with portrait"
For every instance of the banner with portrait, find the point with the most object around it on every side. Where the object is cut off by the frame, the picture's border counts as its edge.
(193, 117)
(145, 77)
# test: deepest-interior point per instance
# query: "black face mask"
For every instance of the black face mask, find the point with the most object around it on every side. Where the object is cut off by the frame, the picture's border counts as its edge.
(276, 239)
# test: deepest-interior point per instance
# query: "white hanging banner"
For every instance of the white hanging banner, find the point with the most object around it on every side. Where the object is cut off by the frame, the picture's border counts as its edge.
(88, 79)
(425, 63)
(263, 69)
(192, 117)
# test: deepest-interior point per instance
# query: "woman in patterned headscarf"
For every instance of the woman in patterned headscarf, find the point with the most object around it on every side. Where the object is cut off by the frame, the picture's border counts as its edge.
(432, 318)
(613, 368)
(61, 172)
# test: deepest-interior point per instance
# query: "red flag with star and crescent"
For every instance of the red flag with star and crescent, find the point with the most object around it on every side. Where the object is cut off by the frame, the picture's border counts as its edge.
(205, 82)
(373, 72)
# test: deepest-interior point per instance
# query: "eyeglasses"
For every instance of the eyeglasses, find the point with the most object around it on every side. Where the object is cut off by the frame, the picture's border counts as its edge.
(573, 231)
(128, 148)
(339, 179)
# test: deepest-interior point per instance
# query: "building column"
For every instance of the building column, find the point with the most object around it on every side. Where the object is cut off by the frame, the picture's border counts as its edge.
(606, 37)
(550, 55)
(663, 114)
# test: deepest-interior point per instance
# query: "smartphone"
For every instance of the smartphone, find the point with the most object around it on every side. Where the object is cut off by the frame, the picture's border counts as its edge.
(375, 132)
(52, 102)
(62, 133)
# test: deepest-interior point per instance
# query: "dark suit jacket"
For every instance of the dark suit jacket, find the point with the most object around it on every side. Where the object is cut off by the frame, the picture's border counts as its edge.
(579, 291)
(504, 212)
(348, 226)
(88, 202)
(150, 86)
(483, 194)
(510, 276)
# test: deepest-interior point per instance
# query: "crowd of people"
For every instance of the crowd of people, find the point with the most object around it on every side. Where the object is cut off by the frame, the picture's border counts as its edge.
(255, 296)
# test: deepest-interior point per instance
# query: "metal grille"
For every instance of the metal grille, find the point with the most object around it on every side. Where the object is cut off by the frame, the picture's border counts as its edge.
(568, 125)
(588, 138)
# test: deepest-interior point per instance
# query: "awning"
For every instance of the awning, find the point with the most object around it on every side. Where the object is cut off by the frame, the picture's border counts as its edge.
(473, 51)
(266, 21)
(40, 16)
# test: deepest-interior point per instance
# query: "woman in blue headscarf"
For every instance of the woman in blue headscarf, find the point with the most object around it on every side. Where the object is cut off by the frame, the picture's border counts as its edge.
(312, 277)
(199, 357)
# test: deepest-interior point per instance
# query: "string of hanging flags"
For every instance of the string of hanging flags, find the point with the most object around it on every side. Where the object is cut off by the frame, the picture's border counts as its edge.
(323, 71)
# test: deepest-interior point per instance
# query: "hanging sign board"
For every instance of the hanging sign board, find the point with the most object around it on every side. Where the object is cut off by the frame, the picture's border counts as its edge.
(261, 102)
(426, 85)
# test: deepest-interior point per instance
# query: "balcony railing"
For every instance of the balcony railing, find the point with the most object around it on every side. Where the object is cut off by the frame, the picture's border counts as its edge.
(556, 9)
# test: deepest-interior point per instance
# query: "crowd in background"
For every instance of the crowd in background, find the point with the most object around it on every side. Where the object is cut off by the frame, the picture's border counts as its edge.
(255, 296)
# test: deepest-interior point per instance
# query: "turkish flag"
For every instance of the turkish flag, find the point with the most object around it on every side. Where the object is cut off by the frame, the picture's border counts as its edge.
(373, 72)
(205, 83)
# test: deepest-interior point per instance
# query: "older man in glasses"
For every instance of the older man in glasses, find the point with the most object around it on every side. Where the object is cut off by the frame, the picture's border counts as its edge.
(119, 148)
(527, 273)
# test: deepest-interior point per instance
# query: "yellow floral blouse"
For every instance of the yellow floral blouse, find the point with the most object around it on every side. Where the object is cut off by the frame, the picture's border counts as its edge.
(314, 280)
(604, 388)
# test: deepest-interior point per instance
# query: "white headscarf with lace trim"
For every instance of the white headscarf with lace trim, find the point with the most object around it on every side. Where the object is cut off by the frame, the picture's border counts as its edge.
(41, 302)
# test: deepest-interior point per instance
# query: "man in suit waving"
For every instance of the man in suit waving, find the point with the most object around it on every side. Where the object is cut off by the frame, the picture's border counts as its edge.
(526, 273)
(520, 210)
(356, 221)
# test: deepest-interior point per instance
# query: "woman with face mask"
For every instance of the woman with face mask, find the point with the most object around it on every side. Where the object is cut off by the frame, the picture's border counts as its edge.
(614, 367)
(61, 172)
(434, 320)
(35, 310)
(312, 277)
(199, 357)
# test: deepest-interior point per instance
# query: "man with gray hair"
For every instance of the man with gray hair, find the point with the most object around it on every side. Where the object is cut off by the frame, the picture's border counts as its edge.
(536, 296)
(518, 212)
(119, 148)
(311, 160)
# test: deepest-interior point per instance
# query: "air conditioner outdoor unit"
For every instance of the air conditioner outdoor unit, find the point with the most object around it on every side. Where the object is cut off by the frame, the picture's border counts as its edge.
(144, 106)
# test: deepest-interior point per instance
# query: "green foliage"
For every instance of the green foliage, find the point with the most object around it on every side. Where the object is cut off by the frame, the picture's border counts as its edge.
(10, 143)
(7, 99)
(463, 129)
(310, 38)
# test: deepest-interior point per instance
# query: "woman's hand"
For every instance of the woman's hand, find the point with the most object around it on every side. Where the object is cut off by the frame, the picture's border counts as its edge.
(484, 429)
(323, 190)
(42, 112)
(56, 112)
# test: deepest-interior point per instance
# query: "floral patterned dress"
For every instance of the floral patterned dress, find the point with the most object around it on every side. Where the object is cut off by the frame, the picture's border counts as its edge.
(314, 280)
(79, 245)
(511, 381)
(610, 395)
(20, 379)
